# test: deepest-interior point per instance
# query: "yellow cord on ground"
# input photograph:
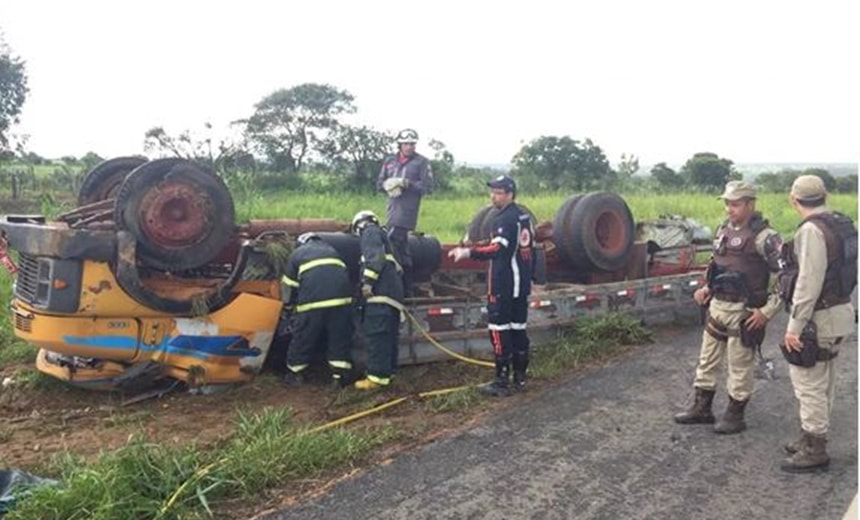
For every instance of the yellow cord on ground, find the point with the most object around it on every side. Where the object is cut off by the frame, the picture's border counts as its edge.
(445, 349)
(359, 415)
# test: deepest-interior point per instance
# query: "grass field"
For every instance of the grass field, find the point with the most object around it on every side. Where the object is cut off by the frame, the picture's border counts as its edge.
(446, 217)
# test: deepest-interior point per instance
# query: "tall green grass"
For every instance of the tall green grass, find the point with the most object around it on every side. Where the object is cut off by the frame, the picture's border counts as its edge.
(161, 481)
(446, 216)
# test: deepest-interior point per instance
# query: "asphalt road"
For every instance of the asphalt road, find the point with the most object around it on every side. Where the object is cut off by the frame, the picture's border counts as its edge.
(603, 445)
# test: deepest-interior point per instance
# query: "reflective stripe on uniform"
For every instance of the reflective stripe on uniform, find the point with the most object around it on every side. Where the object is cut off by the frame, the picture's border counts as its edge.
(379, 380)
(345, 365)
(496, 326)
(289, 281)
(397, 266)
(500, 240)
(370, 273)
(334, 302)
(296, 368)
(388, 301)
(321, 261)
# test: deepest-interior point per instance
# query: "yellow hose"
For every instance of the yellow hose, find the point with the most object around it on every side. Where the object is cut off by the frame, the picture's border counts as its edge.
(443, 348)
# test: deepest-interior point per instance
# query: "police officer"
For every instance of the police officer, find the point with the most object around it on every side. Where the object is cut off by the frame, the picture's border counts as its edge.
(405, 177)
(508, 285)
(382, 293)
(821, 295)
(320, 295)
(746, 251)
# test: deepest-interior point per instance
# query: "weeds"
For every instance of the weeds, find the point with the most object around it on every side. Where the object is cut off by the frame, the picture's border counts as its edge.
(146, 480)
(453, 401)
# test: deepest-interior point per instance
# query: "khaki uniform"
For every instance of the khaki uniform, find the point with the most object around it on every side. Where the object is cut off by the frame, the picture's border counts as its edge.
(814, 387)
(741, 360)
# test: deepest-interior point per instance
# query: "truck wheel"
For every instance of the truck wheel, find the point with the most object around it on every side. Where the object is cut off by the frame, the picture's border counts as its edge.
(103, 181)
(594, 231)
(481, 227)
(181, 213)
(476, 226)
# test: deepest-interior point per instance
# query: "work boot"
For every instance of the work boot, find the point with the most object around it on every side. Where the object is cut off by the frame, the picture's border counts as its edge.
(700, 411)
(519, 382)
(498, 388)
(812, 455)
(520, 362)
(796, 445)
(293, 378)
(732, 420)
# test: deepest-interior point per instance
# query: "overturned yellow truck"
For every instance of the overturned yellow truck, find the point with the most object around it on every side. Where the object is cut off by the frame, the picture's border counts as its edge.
(150, 277)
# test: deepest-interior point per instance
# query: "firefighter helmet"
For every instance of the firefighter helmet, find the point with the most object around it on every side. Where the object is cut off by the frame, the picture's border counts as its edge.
(407, 135)
(361, 219)
(304, 238)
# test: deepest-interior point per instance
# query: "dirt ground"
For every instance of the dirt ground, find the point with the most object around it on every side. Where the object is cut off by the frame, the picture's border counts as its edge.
(42, 420)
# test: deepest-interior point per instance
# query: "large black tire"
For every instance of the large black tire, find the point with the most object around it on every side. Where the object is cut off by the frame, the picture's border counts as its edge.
(103, 181)
(202, 205)
(594, 232)
(481, 226)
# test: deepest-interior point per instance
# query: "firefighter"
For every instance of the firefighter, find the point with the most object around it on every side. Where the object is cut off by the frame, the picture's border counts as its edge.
(405, 177)
(819, 276)
(746, 250)
(320, 296)
(382, 296)
(508, 285)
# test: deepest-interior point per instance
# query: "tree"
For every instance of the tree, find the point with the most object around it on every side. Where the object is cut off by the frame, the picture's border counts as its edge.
(666, 177)
(224, 155)
(442, 164)
(561, 162)
(362, 148)
(708, 171)
(628, 167)
(846, 184)
(290, 123)
(13, 90)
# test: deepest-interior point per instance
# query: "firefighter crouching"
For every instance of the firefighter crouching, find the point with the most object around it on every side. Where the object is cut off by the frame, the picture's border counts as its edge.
(321, 299)
(382, 295)
(746, 251)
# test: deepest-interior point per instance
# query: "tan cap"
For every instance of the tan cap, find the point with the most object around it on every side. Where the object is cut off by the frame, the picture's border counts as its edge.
(736, 190)
(808, 187)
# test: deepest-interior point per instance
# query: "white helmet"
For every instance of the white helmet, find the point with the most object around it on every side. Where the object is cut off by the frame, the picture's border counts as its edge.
(407, 135)
(361, 219)
(304, 238)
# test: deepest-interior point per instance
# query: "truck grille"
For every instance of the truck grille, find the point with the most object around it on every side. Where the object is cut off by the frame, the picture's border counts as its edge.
(27, 283)
(23, 323)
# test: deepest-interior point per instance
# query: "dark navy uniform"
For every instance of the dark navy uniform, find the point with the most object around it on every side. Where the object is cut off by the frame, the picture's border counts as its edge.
(509, 277)
(321, 296)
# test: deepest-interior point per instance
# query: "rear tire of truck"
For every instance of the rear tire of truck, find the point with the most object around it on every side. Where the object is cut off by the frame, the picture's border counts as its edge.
(180, 213)
(594, 231)
(103, 181)
(481, 227)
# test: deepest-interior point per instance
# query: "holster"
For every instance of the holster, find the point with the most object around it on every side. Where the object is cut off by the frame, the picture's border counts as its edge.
(811, 353)
(718, 331)
(751, 338)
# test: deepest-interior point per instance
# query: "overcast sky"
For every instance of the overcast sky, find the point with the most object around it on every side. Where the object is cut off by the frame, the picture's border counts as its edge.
(753, 81)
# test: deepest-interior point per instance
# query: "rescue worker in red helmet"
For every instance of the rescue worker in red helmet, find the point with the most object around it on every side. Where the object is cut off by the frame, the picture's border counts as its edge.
(405, 177)
(320, 295)
(382, 295)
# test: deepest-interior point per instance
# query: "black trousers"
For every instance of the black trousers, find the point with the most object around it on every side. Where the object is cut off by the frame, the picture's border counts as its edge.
(381, 326)
(399, 238)
(506, 321)
(316, 332)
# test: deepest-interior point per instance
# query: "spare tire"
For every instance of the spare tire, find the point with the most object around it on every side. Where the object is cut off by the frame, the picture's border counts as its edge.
(594, 231)
(103, 181)
(180, 213)
(481, 227)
